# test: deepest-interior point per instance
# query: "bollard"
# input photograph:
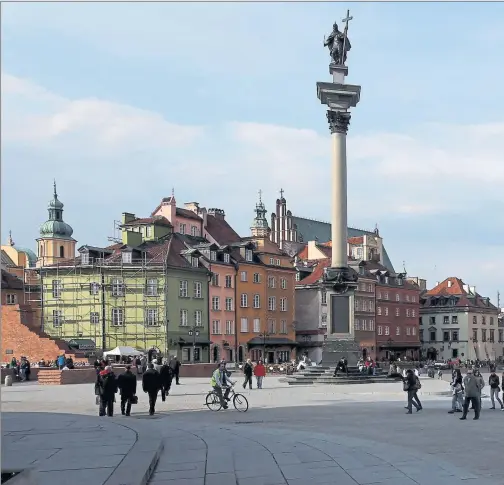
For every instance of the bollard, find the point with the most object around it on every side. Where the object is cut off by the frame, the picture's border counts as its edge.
(8, 381)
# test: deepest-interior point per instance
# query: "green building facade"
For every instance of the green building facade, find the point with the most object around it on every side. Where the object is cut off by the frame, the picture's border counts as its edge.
(143, 293)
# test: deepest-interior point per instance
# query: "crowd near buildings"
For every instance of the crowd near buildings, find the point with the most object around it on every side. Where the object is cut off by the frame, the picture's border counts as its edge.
(183, 282)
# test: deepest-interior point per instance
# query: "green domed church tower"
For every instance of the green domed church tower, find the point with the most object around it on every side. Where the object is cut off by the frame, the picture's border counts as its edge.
(55, 242)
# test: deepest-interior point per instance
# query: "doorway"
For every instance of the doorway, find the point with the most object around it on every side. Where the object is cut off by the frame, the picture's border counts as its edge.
(215, 354)
(271, 357)
(364, 354)
(240, 354)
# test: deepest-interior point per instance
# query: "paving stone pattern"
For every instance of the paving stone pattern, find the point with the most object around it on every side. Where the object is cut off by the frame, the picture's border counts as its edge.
(255, 455)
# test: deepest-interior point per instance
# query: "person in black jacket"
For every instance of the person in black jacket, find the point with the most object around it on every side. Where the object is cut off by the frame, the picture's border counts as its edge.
(494, 383)
(127, 383)
(175, 366)
(248, 371)
(151, 383)
(106, 388)
(166, 375)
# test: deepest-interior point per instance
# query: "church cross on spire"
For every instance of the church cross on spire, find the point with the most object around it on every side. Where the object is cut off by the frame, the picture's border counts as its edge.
(260, 195)
(281, 193)
(54, 185)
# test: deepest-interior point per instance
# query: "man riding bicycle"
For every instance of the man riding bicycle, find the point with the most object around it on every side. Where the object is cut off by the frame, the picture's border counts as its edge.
(221, 380)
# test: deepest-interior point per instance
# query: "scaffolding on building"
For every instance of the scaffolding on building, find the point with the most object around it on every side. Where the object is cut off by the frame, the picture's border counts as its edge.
(78, 301)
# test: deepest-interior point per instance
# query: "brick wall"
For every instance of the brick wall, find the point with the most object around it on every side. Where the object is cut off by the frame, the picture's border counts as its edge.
(21, 334)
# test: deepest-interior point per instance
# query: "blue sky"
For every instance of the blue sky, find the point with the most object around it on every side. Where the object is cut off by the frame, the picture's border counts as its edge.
(122, 102)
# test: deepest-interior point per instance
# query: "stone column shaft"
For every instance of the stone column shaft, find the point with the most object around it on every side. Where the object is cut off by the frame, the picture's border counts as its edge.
(339, 202)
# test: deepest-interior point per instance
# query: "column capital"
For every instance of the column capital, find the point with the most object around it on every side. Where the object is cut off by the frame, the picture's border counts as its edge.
(338, 121)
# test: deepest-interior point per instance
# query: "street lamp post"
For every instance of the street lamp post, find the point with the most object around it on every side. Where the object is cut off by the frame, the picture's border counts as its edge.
(264, 336)
(193, 332)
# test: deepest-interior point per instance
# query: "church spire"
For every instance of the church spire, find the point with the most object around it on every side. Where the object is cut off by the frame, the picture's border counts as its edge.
(259, 226)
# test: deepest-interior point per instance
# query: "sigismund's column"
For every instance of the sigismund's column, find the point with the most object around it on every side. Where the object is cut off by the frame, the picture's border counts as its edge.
(339, 280)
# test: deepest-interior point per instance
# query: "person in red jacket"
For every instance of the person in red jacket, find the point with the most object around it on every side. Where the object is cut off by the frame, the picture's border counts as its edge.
(260, 373)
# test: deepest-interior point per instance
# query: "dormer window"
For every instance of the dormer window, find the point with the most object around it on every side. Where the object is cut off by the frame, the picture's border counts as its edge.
(127, 257)
(194, 262)
(399, 281)
(248, 254)
(85, 258)
(226, 257)
(148, 231)
(213, 255)
(386, 280)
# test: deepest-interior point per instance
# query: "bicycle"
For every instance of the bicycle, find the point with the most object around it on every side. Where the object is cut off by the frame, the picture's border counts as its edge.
(240, 402)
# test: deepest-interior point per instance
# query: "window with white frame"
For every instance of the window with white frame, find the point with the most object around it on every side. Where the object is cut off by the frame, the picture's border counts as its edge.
(127, 257)
(148, 231)
(229, 281)
(94, 288)
(278, 262)
(257, 301)
(371, 325)
(378, 295)
(272, 303)
(413, 298)
(213, 255)
(215, 279)
(408, 331)
(364, 325)
(397, 297)
(216, 330)
(271, 282)
(198, 287)
(413, 313)
(386, 280)
(298, 276)
(198, 318)
(398, 331)
(117, 287)
(386, 311)
(244, 325)
(94, 318)
(413, 331)
(387, 330)
(183, 318)
(243, 276)
(151, 287)
(323, 297)
(56, 288)
(257, 278)
(229, 304)
(272, 261)
(283, 304)
(117, 317)
(226, 257)
(194, 262)
(370, 287)
(283, 327)
(194, 231)
(244, 300)
(397, 312)
(371, 305)
(57, 318)
(229, 327)
(151, 317)
(380, 330)
(271, 326)
(11, 299)
(386, 295)
(182, 228)
(84, 258)
(183, 289)
(357, 324)
(283, 283)
(378, 310)
(215, 303)
(407, 298)
(248, 255)
(257, 325)
(357, 304)
(408, 312)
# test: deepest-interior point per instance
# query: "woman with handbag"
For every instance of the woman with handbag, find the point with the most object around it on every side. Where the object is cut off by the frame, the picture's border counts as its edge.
(457, 393)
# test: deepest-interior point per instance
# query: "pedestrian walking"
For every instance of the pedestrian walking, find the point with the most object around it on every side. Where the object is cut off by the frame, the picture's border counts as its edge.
(106, 388)
(411, 384)
(494, 383)
(175, 366)
(457, 393)
(166, 375)
(127, 384)
(138, 365)
(472, 388)
(151, 384)
(260, 373)
(248, 371)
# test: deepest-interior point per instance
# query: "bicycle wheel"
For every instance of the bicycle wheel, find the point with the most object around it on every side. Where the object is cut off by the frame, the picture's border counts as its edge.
(213, 402)
(240, 403)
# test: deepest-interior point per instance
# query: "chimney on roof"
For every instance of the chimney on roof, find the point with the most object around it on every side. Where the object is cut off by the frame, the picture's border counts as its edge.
(217, 213)
(203, 214)
(466, 288)
(437, 283)
(127, 217)
(449, 283)
(192, 206)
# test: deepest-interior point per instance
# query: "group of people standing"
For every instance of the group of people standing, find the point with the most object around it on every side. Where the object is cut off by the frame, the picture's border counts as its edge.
(258, 370)
(157, 377)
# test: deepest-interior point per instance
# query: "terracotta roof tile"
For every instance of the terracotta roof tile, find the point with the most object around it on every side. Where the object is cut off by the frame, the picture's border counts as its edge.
(10, 282)
(188, 214)
(317, 273)
(456, 288)
(221, 231)
(356, 240)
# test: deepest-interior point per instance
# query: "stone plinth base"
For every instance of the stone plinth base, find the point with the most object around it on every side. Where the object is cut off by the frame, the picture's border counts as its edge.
(335, 349)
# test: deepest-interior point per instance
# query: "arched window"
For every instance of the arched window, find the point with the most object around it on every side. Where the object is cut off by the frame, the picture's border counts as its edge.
(62, 252)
